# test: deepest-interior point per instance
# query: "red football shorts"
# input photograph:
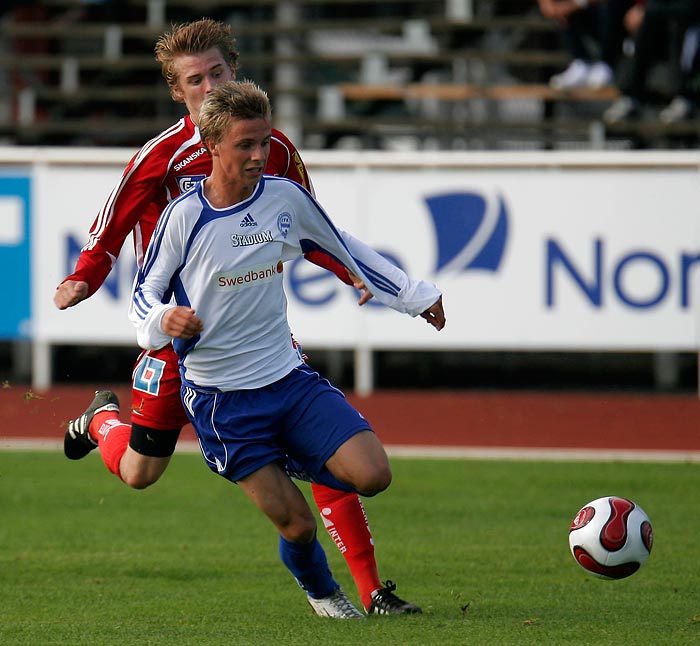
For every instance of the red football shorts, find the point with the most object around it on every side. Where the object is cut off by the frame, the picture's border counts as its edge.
(155, 390)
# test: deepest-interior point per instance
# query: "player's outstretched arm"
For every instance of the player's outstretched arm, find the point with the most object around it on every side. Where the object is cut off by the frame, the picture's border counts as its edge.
(435, 315)
(70, 293)
(389, 284)
(342, 272)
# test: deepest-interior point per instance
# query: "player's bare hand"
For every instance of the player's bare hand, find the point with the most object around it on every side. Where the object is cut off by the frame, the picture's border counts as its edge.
(180, 322)
(359, 285)
(70, 293)
(435, 315)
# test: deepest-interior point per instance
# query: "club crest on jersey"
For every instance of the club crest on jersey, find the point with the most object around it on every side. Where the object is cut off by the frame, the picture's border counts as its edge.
(300, 167)
(186, 182)
(284, 223)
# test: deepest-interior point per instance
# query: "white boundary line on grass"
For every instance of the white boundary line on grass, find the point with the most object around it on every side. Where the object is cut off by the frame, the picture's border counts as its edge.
(546, 454)
(444, 452)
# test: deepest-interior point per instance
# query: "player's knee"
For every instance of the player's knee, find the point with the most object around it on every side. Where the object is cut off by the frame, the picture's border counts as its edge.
(139, 480)
(375, 481)
(301, 530)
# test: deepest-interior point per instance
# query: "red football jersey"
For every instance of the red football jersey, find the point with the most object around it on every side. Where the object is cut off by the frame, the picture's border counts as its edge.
(165, 167)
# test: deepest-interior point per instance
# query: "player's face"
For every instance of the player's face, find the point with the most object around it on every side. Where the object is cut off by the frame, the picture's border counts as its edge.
(197, 75)
(241, 155)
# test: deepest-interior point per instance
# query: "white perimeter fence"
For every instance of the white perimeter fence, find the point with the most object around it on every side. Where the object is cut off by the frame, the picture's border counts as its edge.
(570, 251)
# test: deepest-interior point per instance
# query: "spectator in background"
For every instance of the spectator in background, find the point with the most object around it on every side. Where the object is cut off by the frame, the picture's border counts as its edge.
(26, 13)
(659, 27)
(634, 17)
(593, 34)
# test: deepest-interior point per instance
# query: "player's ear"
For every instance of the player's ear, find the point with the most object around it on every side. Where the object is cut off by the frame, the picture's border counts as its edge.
(176, 94)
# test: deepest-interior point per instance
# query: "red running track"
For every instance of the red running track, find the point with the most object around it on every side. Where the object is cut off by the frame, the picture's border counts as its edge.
(439, 419)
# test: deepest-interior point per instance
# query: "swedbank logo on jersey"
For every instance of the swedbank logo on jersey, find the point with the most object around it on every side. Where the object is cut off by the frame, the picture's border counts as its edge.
(239, 240)
(256, 275)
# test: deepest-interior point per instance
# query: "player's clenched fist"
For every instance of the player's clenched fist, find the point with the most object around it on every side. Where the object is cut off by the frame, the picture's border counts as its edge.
(435, 315)
(70, 293)
(181, 322)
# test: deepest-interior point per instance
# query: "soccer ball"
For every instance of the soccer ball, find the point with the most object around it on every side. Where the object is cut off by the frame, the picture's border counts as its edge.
(611, 537)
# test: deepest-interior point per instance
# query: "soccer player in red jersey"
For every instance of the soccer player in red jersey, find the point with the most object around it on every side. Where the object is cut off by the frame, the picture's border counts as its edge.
(194, 58)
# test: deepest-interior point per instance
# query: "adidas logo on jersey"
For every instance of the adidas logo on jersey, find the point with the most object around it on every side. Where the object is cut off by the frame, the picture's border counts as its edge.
(248, 221)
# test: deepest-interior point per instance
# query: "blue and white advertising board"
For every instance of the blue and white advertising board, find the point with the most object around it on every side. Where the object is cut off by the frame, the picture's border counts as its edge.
(536, 252)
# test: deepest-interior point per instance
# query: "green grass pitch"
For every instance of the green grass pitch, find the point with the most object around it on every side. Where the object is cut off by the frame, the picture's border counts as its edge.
(480, 545)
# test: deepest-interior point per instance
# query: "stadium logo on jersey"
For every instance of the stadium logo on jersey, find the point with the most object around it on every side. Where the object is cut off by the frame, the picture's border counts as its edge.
(187, 182)
(284, 223)
(471, 231)
(254, 238)
(248, 221)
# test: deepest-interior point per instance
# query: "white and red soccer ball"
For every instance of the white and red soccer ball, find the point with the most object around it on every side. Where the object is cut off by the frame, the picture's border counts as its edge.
(611, 537)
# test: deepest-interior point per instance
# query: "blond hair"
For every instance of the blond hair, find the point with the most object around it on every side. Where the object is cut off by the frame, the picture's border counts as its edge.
(194, 38)
(229, 102)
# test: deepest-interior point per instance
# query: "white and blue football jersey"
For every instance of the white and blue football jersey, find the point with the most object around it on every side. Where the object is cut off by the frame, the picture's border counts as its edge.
(224, 263)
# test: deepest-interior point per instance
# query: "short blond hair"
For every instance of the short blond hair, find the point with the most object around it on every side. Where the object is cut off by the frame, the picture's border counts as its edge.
(229, 102)
(194, 38)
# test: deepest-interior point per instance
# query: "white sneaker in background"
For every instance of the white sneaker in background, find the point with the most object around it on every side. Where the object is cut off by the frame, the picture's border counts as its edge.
(599, 75)
(624, 108)
(576, 75)
(679, 109)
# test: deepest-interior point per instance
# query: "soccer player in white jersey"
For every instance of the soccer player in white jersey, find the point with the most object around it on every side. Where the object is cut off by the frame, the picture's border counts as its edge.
(194, 57)
(215, 290)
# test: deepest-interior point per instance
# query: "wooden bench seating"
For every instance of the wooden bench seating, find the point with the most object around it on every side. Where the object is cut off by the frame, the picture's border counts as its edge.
(97, 69)
(531, 58)
(492, 133)
(439, 26)
(114, 94)
(114, 131)
(466, 92)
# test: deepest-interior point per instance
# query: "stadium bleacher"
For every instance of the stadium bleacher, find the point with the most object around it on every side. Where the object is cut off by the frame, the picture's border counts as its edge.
(465, 74)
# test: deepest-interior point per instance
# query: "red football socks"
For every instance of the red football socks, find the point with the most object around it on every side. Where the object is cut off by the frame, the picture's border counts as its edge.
(346, 522)
(112, 437)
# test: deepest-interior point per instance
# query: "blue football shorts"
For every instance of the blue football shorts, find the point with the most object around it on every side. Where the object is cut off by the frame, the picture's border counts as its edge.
(299, 421)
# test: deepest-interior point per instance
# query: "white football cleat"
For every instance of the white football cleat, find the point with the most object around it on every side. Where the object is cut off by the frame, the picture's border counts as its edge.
(336, 606)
